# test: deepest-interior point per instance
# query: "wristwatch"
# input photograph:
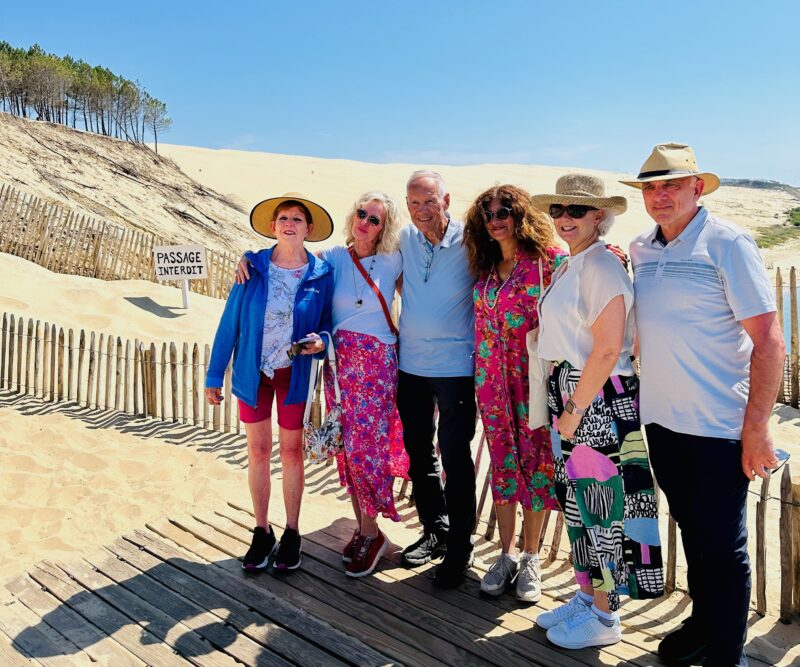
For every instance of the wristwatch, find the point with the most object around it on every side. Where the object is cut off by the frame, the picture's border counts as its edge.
(573, 409)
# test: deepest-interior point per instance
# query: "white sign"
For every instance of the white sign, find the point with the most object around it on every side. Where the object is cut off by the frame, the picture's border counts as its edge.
(180, 262)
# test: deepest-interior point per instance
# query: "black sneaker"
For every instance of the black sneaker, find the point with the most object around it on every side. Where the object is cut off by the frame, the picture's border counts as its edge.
(260, 550)
(427, 547)
(453, 570)
(288, 554)
(683, 646)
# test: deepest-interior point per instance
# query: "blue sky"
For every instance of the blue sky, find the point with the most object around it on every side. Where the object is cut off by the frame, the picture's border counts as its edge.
(568, 83)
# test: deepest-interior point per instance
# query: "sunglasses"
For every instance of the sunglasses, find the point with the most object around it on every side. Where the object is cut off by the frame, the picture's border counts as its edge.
(374, 220)
(502, 213)
(574, 211)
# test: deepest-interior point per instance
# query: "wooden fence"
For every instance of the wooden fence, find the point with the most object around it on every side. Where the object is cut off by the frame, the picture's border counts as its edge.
(789, 392)
(63, 241)
(107, 372)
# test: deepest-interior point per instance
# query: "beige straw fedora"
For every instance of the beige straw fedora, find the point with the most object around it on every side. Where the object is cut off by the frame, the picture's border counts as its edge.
(262, 214)
(668, 161)
(581, 189)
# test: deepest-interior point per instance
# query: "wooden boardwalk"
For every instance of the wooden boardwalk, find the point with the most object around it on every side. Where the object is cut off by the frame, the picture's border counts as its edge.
(174, 593)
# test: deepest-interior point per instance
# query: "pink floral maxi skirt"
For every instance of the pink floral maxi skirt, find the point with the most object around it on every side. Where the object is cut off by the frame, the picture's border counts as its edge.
(373, 438)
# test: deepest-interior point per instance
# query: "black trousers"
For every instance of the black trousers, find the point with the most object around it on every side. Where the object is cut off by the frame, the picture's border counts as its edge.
(451, 505)
(707, 494)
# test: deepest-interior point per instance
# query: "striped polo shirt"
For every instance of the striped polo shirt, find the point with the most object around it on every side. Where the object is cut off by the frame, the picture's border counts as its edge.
(690, 297)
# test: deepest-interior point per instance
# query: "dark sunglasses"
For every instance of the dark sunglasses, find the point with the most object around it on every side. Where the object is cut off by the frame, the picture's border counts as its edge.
(502, 213)
(374, 220)
(574, 211)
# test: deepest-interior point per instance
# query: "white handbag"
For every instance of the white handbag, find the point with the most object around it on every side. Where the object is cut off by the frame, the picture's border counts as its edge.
(538, 374)
(322, 442)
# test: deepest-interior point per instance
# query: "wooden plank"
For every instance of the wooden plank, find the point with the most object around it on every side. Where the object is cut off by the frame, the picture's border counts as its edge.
(33, 638)
(430, 613)
(110, 365)
(100, 355)
(3, 350)
(139, 641)
(226, 404)
(163, 414)
(173, 379)
(206, 406)
(70, 362)
(150, 613)
(761, 549)
(79, 372)
(85, 636)
(196, 384)
(794, 371)
(28, 350)
(786, 546)
(36, 357)
(256, 631)
(118, 378)
(317, 605)
(60, 365)
(136, 362)
(185, 384)
(127, 378)
(90, 377)
(10, 368)
(153, 381)
(389, 614)
(672, 545)
(11, 657)
(20, 340)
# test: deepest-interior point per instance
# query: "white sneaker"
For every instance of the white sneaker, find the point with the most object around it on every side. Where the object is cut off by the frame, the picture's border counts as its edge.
(550, 619)
(500, 575)
(529, 578)
(583, 630)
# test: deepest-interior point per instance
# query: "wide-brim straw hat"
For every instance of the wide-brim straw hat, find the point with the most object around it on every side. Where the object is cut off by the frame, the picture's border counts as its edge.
(581, 189)
(262, 214)
(670, 161)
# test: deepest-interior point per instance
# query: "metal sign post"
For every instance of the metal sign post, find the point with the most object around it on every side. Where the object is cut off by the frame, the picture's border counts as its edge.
(180, 262)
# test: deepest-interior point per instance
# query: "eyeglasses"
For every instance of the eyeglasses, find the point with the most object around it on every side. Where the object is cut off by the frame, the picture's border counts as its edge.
(374, 220)
(782, 457)
(574, 211)
(502, 213)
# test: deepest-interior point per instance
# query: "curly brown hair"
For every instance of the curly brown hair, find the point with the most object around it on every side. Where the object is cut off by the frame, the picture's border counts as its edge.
(533, 228)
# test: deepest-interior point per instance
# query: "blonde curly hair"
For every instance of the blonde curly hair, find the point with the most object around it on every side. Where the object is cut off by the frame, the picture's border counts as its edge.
(389, 237)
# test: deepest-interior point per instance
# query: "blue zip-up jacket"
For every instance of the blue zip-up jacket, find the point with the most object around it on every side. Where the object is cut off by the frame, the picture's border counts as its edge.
(241, 328)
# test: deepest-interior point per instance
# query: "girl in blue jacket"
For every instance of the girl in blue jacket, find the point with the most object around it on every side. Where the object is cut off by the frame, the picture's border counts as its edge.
(287, 299)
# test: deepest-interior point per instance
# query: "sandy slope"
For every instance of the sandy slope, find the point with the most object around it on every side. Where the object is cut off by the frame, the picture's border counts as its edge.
(249, 177)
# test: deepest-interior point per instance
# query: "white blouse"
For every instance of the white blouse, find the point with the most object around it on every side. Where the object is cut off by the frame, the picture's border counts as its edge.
(279, 317)
(580, 290)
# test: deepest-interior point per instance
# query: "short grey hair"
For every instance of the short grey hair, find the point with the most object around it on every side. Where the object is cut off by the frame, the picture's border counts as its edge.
(605, 225)
(389, 237)
(427, 173)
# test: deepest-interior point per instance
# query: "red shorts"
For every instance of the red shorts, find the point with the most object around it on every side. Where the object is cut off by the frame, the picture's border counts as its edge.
(290, 417)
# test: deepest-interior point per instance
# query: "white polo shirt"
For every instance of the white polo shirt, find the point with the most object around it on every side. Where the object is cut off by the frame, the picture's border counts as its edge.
(691, 295)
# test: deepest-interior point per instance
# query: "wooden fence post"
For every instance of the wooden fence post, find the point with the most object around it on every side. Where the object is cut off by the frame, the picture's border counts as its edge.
(793, 357)
(20, 337)
(206, 406)
(761, 548)
(36, 357)
(11, 331)
(196, 384)
(127, 380)
(70, 362)
(788, 554)
(136, 362)
(164, 364)
(185, 384)
(3, 351)
(779, 301)
(173, 378)
(92, 363)
(109, 371)
(118, 383)
(153, 389)
(79, 373)
(60, 383)
(28, 348)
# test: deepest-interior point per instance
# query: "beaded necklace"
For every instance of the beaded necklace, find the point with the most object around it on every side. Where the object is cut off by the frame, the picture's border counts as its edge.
(493, 272)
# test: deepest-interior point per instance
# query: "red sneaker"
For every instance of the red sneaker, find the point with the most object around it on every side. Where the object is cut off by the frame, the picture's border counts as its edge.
(370, 550)
(351, 548)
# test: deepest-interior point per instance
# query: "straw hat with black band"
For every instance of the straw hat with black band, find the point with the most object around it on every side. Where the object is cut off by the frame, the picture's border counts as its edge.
(263, 213)
(580, 189)
(670, 161)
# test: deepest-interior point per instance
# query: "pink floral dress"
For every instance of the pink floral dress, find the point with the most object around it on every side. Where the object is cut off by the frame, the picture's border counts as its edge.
(521, 459)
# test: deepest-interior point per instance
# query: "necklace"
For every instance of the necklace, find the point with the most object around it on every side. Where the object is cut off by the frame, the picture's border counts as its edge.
(360, 296)
(493, 272)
